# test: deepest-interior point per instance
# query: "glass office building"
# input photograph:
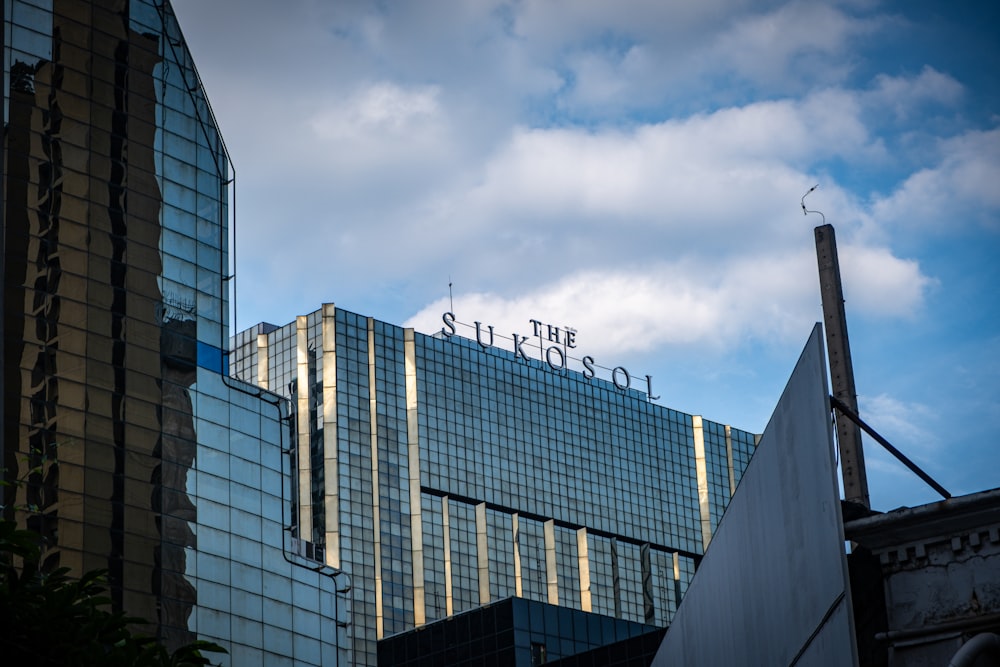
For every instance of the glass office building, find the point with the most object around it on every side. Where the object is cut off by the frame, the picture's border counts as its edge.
(519, 632)
(138, 453)
(443, 473)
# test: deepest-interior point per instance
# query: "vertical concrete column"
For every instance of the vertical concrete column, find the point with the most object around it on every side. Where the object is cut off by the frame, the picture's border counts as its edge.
(616, 581)
(583, 558)
(646, 569)
(482, 554)
(518, 582)
(701, 470)
(449, 600)
(413, 463)
(852, 456)
(302, 422)
(677, 584)
(729, 460)
(551, 566)
(263, 362)
(376, 486)
(331, 477)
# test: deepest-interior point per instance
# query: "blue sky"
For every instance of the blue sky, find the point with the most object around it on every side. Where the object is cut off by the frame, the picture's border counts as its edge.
(633, 169)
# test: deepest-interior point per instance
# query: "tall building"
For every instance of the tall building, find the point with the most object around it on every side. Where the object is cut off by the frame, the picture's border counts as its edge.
(366, 479)
(446, 472)
(133, 448)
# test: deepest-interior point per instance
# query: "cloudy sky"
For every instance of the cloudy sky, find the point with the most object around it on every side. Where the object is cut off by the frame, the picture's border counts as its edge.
(634, 170)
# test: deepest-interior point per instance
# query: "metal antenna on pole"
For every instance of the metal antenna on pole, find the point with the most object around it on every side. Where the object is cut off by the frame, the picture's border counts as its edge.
(451, 300)
(852, 457)
(806, 211)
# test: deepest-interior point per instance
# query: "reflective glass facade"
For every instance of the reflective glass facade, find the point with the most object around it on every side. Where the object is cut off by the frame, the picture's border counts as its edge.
(518, 632)
(139, 453)
(456, 474)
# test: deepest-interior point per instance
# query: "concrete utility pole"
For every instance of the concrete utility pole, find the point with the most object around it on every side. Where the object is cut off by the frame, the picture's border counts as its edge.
(852, 457)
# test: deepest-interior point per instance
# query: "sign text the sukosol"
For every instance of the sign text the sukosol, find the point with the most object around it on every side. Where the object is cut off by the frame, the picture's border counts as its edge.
(553, 345)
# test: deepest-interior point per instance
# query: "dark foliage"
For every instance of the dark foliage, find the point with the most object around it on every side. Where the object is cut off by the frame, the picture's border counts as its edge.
(50, 618)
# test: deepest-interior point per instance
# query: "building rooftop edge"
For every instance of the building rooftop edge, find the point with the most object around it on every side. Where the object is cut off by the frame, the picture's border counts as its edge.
(944, 518)
(268, 328)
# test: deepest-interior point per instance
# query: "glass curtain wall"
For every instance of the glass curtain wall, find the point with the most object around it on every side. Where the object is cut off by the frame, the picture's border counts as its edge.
(465, 475)
(136, 452)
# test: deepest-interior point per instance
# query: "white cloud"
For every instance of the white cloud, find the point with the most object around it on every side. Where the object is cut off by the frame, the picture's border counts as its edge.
(960, 190)
(773, 46)
(908, 426)
(603, 77)
(645, 55)
(381, 127)
(562, 221)
(905, 96)
(423, 175)
(698, 301)
(636, 309)
(731, 172)
(878, 283)
(555, 24)
(381, 108)
(565, 220)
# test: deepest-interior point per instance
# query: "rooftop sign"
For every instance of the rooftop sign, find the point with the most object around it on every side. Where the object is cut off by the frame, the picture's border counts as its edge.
(554, 344)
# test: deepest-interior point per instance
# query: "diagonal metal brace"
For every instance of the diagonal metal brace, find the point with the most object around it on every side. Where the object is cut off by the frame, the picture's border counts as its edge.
(853, 416)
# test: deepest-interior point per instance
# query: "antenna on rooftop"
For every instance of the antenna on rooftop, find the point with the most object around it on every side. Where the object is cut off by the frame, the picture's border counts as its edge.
(451, 300)
(806, 211)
